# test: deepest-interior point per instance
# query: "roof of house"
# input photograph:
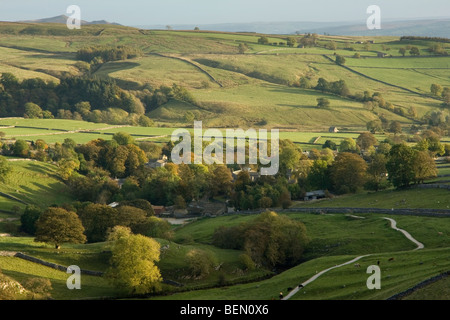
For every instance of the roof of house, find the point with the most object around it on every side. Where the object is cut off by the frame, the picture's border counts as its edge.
(315, 193)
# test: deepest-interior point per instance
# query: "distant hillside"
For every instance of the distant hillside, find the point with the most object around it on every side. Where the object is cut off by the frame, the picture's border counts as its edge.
(63, 19)
(429, 27)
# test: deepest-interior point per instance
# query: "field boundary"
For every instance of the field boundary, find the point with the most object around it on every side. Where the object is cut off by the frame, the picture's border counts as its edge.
(5, 195)
(348, 210)
(418, 286)
(54, 265)
(192, 64)
(378, 80)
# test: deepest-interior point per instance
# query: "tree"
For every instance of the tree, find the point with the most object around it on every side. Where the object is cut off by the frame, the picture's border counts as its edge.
(66, 167)
(158, 228)
(289, 155)
(330, 145)
(402, 51)
(340, 60)
(323, 103)
(221, 180)
(446, 96)
(377, 173)
(348, 172)
(400, 165)
(291, 42)
(424, 166)
(332, 45)
(263, 40)
(436, 89)
(366, 140)
(243, 47)
(97, 219)
(5, 168)
(123, 138)
(59, 226)
(395, 127)
(29, 218)
(319, 175)
(272, 239)
(200, 262)
(414, 51)
(21, 148)
(374, 126)
(32, 111)
(348, 145)
(132, 264)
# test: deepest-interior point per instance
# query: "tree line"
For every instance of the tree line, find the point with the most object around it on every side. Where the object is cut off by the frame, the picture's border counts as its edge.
(85, 98)
(102, 54)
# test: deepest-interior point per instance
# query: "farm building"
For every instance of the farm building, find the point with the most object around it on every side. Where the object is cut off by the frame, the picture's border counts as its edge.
(333, 130)
(314, 195)
(158, 163)
(159, 210)
(254, 175)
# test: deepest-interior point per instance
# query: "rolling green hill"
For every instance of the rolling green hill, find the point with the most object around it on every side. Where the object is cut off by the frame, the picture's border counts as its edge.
(235, 89)
(35, 183)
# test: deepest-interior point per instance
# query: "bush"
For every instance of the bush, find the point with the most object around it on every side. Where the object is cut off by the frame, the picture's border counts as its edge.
(247, 262)
(200, 262)
(39, 287)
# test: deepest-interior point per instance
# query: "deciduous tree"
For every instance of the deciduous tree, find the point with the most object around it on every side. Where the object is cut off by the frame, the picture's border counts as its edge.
(133, 264)
(59, 226)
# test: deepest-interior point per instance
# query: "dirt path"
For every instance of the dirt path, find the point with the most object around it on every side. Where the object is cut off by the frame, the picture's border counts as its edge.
(393, 226)
(407, 235)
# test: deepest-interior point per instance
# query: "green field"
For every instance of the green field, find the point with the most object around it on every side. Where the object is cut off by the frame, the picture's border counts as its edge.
(34, 183)
(341, 239)
(255, 86)
(396, 199)
(335, 239)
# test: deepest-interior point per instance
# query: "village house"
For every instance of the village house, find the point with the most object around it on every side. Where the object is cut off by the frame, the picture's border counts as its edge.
(158, 163)
(333, 130)
(158, 210)
(314, 195)
(254, 175)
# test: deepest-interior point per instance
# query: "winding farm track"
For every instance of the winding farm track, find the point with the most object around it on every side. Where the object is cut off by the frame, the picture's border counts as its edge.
(393, 226)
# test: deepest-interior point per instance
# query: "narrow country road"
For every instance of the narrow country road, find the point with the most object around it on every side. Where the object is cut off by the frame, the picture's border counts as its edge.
(293, 292)
(393, 226)
(407, 235)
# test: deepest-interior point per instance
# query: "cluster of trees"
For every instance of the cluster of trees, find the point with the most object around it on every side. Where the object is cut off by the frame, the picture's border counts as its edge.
(91, 170)
(366, 163)
(84, 98)
(91, 222)
(309, 40)
(414, 51)
(270, 240)
(337, 87)
(443, 92)
(102, 54)
(372, 101)
(133, 255)
(438, 49)
(265, 193)
(438, 39)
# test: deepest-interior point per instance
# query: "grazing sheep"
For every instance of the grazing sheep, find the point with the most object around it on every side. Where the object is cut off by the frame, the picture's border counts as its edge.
(357, 265)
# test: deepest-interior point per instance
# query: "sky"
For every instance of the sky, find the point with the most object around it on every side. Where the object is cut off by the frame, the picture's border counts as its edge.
(198, 12)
